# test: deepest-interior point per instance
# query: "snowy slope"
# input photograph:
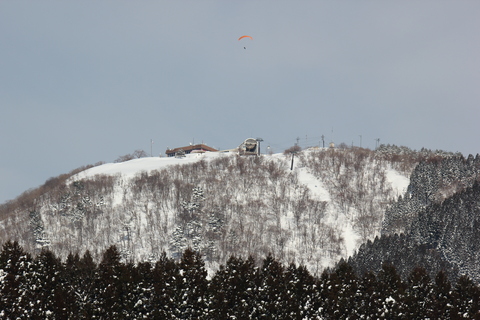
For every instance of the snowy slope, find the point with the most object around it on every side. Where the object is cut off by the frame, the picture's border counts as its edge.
(222, 204)
(129, 169)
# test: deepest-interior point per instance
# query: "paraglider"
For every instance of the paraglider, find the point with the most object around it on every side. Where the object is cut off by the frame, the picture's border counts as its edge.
(245, 37)
(242, 37)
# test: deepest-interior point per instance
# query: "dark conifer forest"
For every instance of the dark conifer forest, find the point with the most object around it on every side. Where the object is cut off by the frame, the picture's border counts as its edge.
(44, 287)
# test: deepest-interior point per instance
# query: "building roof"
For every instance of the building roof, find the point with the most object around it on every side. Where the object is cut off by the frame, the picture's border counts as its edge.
(190, 148)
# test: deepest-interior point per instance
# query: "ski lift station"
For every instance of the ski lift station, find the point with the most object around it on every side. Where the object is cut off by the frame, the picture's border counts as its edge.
(197, 148)
(248, 147)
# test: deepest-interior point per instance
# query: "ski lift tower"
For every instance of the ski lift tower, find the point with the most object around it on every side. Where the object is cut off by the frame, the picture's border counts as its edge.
(258, 141)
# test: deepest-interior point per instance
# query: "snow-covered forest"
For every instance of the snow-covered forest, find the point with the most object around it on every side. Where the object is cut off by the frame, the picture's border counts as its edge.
(45, 287)
(435, 224)
(217, 204)
(319, 234)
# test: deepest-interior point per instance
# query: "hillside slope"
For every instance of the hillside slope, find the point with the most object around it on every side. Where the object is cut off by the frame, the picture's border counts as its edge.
(435, 224)
(219, 204)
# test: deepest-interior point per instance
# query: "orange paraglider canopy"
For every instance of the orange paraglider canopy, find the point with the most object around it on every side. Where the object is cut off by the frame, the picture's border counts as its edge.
(245, 37)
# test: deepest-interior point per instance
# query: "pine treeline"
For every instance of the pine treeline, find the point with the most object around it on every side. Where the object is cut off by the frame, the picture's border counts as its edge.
(433, 180)
(46, 288)
(434, 225)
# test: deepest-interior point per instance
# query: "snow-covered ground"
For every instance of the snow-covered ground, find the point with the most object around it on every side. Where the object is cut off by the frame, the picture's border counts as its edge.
(338, 223)
(130, 169)
(315, 185)
(398, 181)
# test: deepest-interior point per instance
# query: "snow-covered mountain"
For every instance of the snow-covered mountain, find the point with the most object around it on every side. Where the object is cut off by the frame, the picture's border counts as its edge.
(220, 204)
(407, 221)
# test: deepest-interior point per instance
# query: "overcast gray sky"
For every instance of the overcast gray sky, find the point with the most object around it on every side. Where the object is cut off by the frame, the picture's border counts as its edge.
(88, 81)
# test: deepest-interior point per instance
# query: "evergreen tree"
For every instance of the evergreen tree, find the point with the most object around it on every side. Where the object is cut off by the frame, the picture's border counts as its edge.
(272, 294)
(87, 288)
(131, 291)
(419, 294)
(191, 295)
(392, 291)
(233, 290)
(328, 291)
(465, 300)
(112, 287)
(47, 287)
(71, 285)
(347, 294)
(442, 296)
(339, 291)
(165, 277)
(302, 296)
(16, 269)
(142, 291)
(370, 297)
